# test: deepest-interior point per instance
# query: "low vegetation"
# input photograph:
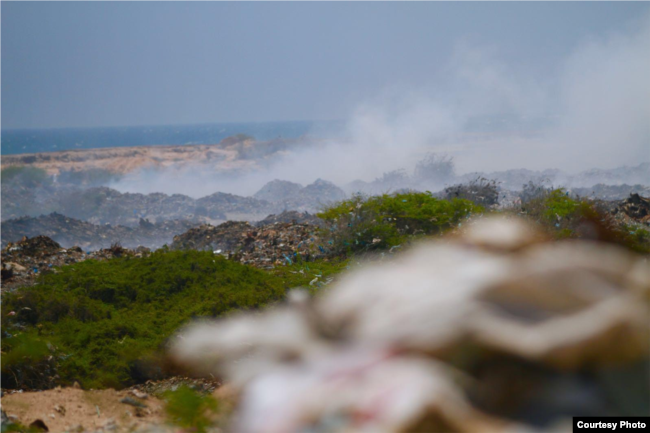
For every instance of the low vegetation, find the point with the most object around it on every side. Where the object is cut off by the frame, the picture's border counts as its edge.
(385, 221)
(101, 323)
(190, 409)
(564, 216)
(105, 324)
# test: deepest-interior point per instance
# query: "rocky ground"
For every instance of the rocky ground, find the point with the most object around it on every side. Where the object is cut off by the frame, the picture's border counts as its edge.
(138, 408)
(77, 410)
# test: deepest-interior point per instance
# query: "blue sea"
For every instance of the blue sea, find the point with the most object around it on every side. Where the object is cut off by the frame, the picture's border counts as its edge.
(16, 141)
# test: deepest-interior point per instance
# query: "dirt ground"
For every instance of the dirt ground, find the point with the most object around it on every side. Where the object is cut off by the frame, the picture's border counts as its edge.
(71, 409)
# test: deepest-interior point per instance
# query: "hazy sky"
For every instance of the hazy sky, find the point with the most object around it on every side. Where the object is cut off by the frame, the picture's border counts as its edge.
(103, 64)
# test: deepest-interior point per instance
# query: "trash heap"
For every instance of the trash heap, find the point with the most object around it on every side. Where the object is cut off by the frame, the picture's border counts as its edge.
(278, 191)
(221, 203)
(263, 246)
(24, 261)
(103, 205)
(288, 195)
(636, 208)
(70, 231)
(292, 216)
(495, 329)
(612, 192)
(128, 208)
(98, 205)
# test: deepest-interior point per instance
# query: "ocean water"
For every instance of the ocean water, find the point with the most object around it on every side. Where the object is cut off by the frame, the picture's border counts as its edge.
(15, 141)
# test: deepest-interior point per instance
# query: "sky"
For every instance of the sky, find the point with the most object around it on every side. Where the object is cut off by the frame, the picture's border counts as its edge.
(83, 64)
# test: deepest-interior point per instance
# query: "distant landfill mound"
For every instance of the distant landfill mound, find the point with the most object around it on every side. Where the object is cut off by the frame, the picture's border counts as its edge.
(437, 173)
(103, 205)
(69, 232)
(99, 217)
(79, 208)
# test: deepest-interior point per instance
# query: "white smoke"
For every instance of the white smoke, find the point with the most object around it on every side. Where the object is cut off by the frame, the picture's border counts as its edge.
(605, 101)
(595, 112)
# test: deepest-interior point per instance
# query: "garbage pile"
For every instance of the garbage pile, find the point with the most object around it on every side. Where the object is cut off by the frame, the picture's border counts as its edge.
(100, 205)
(612, 192)
(128, 208)
(263, 246)
(635, 207)
(495, 329)
(639, 174)
(221, 203)
(24, 261)
(69, 231)
(103, 205)
(278, 191)
(434, 173)
(292, 216)
(288, 195)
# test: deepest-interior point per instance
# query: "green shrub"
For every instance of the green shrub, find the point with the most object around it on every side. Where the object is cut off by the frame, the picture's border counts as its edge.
(190, 409)
(311, 274)
(381, 222)
(558, 204)
(554, 209)
(635, 237)
(566, 217)
(108, 319)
